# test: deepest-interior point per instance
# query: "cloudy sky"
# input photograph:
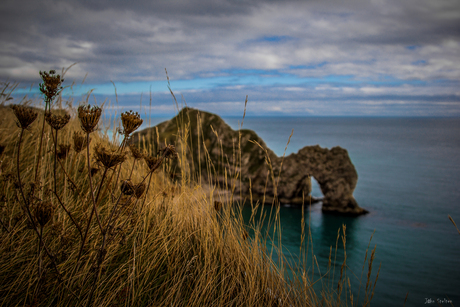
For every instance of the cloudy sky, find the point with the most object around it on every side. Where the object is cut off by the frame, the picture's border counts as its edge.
(314, 57)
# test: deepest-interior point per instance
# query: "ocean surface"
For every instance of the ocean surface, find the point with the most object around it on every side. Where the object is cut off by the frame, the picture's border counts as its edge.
(409, 181)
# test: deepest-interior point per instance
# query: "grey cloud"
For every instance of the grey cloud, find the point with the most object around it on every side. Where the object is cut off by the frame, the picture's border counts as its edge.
(135, 40)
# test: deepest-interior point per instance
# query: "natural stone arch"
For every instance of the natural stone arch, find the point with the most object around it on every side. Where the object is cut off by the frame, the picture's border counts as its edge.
(332, 168)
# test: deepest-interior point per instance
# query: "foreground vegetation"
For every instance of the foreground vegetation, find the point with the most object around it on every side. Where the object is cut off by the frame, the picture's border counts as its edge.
(88, 220)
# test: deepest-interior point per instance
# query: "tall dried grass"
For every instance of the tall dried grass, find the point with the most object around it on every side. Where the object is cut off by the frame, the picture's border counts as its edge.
(97, 225)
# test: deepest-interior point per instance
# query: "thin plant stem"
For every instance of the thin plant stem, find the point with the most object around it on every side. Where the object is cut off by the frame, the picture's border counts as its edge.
(452, 220)
(146, 190)
(121, 148)
(40, 260)
(37, 166)
(94, 210)
(124, 223)
(101, 257)
(18, 170)
(55, 186)
(115, 207)
(67, 175)
(91, 185)
(70, 179)
(55, 162)
(70, 215)
(4, 226)
(111, 214)
(100, 185)
(132, 169)
(107, 186)
(29, 214)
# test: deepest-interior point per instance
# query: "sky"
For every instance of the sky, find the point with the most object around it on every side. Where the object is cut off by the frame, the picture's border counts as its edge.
(293, 58)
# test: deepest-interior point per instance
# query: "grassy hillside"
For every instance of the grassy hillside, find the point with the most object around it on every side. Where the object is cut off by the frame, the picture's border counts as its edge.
(101, 223)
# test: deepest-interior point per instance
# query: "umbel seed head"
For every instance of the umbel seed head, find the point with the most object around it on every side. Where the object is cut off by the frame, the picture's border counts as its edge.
(79, 141)
(152, 162)
(139, 190)
(127, 188)
(43, 212)
(57, 122)
(94, 171)
(51, 85)
(168, 152)
(25, 115)
(131, 121)
(137, 154)
(108, 158)
(89, 117)
(63, 151)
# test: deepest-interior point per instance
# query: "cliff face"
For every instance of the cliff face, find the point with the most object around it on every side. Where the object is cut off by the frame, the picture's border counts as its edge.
(260, 167)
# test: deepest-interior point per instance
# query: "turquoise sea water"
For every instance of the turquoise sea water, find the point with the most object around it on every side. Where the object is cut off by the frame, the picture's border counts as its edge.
(409, 180)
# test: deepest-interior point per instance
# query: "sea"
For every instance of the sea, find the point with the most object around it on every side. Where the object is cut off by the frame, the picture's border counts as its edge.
(409, 181)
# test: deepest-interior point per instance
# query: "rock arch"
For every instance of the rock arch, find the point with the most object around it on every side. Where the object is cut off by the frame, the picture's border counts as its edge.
(332, 168)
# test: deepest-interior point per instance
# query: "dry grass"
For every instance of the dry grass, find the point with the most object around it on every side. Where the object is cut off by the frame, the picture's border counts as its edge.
(99, 226)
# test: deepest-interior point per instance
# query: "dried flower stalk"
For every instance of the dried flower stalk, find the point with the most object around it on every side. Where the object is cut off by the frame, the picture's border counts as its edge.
(57, 122)
(89, 117)
(131, 121)
(25, 115)
(108, 158)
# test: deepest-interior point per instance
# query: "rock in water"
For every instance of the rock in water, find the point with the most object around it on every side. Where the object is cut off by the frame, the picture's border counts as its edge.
(217, 159)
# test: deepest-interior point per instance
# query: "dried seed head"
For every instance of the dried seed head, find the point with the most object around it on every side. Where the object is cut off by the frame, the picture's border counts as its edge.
(127, 188)
(139, 190)
(89, 117)
(79, 141)
(43, 212)
(51, 85)
(168, 152)
(131, 121)
(25, 115)
(63, 151)
(137, 154)
(57, 122)
(108, 158)
(152, 162)
(245, 235)
(94, 171)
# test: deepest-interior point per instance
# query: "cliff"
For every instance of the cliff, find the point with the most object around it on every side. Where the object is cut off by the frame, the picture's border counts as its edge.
(218, 154)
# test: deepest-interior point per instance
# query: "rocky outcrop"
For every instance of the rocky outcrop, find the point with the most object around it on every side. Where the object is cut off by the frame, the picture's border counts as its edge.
(334, 172)
(218, 154)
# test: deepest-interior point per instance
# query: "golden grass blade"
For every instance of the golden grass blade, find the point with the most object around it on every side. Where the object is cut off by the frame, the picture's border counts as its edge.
(452, 220)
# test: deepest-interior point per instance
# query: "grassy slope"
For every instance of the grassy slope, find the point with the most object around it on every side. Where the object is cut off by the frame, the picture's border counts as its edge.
(169, 248)
(175, 250)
